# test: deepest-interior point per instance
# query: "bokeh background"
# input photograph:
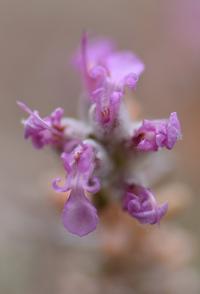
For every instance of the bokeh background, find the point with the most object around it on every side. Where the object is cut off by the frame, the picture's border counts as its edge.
(37, 39)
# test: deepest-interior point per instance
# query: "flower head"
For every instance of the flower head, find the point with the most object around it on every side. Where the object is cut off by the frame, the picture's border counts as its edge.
(155, 134)
(100, 147)
(141, 204)
(43, 131)
(79, 215)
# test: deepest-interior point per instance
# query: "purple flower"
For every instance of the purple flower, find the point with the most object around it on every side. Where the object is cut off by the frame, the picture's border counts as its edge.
(102, 65)
(106, 73)
(79, 215)
(155, 134)
(43, 131)
(141, 204)
(98, 146)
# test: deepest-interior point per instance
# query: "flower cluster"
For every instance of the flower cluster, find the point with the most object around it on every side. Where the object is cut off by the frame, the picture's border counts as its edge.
(90, 149)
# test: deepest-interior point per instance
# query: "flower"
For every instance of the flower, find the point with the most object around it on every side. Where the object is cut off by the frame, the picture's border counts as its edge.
(106, 73)
(43, 131)
(101, 65)
(141, 204)
(100, 148)
(155, 134)
(79, 215)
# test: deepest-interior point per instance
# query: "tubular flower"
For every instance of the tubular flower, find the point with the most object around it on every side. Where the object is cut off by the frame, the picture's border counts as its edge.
(43, 131)
(141, 204)
(156, 134)
(106, 73)
(79, 215)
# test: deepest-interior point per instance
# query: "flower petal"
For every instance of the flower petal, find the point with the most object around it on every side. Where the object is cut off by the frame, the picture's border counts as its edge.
(124, 68)
(79, 216)
(92, 186)
(141, 204)
(58, 188)
(173, 130)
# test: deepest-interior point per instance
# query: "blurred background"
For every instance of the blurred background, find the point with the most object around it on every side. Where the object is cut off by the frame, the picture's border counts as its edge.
(37, 39)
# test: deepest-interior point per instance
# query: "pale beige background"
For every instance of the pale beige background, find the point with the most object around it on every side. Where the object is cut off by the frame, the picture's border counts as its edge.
(36, 42)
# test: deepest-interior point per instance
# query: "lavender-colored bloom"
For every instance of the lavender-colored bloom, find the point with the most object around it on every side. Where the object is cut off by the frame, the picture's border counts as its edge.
(155, 134)
(101, 65)
(98, 147)
(79, 215)
(106, 73)
(43, 131)
(141, 204)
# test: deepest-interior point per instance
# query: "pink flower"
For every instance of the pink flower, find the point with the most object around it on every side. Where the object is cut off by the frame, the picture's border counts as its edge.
(43, 131)
(79, 215)
(155, 134)
(141, 204)
(101, 147)
(106, 73)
